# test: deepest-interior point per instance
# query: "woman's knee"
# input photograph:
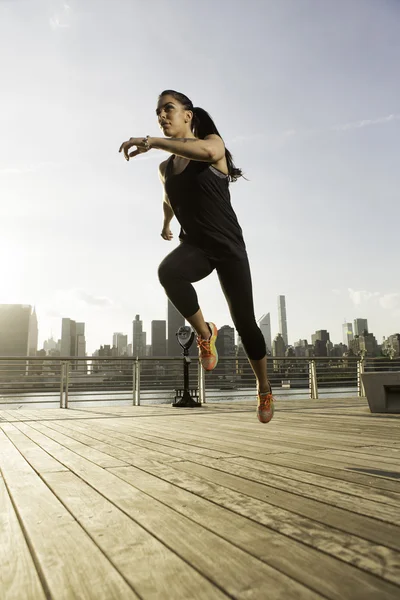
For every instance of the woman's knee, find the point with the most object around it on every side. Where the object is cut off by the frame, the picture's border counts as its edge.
(165, 272)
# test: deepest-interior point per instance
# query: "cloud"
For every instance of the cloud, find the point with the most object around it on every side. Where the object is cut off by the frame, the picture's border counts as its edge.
(61, 20)
(76, 304)
(365, 123)
(26, 168)
(359, 297)
(390, 301)
(55, 23)
(101, 301)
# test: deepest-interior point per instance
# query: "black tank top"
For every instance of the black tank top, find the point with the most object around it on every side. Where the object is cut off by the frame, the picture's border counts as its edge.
(201, 201)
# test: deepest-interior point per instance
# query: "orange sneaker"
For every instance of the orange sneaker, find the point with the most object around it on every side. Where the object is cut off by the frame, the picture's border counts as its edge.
(207, 351)
(265, 408)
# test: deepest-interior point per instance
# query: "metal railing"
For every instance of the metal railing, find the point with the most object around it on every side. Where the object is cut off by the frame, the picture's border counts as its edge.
(63, 381)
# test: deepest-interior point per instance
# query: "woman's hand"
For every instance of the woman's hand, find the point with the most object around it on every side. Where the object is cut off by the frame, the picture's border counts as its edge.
(142, 146)
(166, 233)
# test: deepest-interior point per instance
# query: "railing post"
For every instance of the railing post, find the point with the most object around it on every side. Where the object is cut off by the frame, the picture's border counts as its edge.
(360, 371)
(313, 380)
(61, 384)
(134, 382)
(137, 382)
(67, 366)
(201, 383)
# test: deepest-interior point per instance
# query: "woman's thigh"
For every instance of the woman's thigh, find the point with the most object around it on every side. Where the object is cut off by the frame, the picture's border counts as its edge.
(185, 263)
(236, 283)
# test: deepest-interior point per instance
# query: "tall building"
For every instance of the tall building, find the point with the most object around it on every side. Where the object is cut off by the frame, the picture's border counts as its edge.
(120, 342)
(159, 338)
(265, 325)
(73, 342)
(278, 349)
(68, 337)
(360, 325)
(282, 318)
(225, 345)
(321, 342)
(175, 320)
(348, 335)
(33, 334)
(18, 330)
(138, 339)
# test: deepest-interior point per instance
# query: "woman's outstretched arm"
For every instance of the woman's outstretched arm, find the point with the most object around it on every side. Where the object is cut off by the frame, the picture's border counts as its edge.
(211, 149)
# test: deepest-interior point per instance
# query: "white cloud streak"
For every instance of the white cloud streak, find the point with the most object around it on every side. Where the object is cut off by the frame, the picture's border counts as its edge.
(365, 123)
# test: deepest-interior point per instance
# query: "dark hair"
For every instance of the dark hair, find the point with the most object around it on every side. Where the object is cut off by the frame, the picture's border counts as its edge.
(203, 125)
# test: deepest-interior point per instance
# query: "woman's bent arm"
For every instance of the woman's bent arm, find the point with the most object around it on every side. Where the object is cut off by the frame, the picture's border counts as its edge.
(211, 149)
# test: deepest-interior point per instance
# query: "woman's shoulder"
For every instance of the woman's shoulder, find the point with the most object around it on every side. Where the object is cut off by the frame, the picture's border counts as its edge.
(163, 167)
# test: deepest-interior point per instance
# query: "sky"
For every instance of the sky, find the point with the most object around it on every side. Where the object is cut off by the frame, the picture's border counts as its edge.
(306, 95)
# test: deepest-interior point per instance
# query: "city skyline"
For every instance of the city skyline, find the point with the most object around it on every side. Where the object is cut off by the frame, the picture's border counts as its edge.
(73, 333)
(316, 134)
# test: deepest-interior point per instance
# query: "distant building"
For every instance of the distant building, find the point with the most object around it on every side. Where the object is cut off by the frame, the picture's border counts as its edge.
(360, 325)
(18, 330)
(265, 325)
(138, 339)
(120, 341)
(391, 346)
(365, 344)
(278, 349)
(50, 346)
(319, 340)
(348, 335)
(300, 348)
(282, 318)
(225, 345)
(159, 338)
(73, 342)
(33, 334)
(175, 321)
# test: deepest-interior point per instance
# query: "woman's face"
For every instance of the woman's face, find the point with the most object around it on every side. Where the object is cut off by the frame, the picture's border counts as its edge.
(173, 118)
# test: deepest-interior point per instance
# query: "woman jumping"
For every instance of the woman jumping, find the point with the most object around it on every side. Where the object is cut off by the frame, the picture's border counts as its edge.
(196, 180)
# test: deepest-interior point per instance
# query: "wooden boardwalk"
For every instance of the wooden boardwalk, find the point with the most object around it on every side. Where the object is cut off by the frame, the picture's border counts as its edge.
(157, 502)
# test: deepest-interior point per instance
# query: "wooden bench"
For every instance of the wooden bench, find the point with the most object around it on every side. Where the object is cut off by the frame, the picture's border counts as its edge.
(382, 390)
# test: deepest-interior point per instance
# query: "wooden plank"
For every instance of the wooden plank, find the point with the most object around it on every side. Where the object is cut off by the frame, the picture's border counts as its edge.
(129, 432)
(31, 452)
(71, 564)
(365, 527)
(18, 575)
(232, 569)
(293, 474)
(119, 435)
(149, 566)
(291, 552)
(372, 481)
(106, 443)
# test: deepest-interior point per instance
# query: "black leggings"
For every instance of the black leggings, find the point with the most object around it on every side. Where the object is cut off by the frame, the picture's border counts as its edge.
(187, 264)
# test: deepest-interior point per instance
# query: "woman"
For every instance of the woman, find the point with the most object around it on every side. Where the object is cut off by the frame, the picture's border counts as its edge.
(196, 180)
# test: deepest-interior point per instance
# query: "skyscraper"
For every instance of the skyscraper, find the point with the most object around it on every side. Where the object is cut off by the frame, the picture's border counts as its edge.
(360, 325)
(138, 340)
(175, 320)
(158, 338)
(282, 318)
(73, 342)
(18, 329)
(348, 336)
(225, 345)
(265, 325)
(120, 342)
(33, 334)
